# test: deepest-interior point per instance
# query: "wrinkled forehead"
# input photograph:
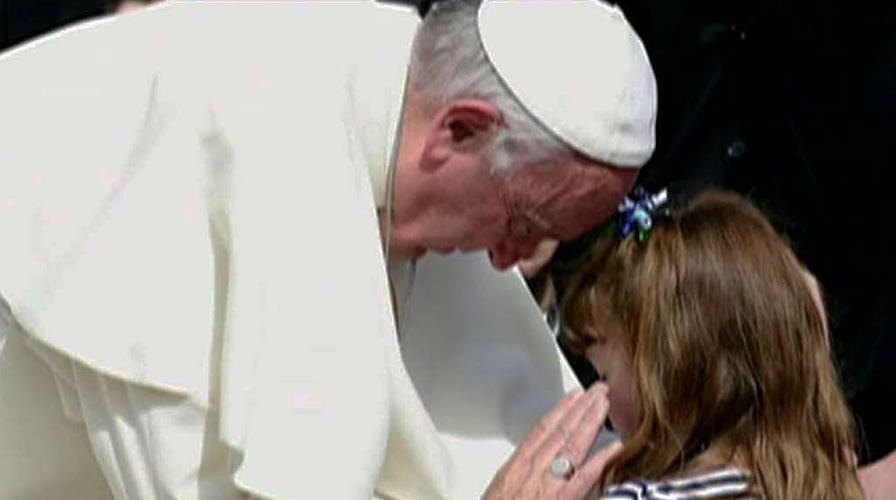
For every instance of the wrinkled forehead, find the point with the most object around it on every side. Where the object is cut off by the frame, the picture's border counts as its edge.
(581, 211)
(566, 200)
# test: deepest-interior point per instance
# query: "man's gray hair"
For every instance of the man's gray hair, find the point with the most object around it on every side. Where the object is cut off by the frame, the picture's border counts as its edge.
(449, 62)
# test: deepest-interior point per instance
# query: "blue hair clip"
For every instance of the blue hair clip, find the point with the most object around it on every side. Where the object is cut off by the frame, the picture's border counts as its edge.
(637, 212)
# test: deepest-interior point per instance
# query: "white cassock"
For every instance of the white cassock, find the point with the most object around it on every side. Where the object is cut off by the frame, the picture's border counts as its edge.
(198, 300)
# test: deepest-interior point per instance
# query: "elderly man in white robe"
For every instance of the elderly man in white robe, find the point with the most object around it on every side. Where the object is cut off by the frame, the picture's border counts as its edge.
(216, 220)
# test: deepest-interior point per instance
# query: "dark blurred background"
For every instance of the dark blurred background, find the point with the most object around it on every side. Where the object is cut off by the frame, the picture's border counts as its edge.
(790, 102)
(21, 20)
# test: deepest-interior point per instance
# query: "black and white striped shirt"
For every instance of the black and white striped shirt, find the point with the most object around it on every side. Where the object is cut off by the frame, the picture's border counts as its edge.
(729, 483)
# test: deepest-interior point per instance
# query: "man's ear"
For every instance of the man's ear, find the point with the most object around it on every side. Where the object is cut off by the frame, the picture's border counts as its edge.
(462, 127)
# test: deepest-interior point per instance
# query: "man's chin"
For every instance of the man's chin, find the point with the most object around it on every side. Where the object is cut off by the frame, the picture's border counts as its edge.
(406, 252)
(499, 265)
(414, 253)
(445, 250)
(453, 249)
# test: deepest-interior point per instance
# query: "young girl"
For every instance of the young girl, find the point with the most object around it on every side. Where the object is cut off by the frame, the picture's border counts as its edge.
(720, 377)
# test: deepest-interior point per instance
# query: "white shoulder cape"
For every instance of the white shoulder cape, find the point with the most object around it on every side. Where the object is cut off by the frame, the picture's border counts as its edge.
(193, 209)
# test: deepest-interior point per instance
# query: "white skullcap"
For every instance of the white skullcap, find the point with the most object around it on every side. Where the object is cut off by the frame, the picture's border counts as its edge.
(580, 69)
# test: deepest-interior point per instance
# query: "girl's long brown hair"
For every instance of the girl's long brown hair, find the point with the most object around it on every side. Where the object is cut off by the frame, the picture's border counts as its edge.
(729, 353)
